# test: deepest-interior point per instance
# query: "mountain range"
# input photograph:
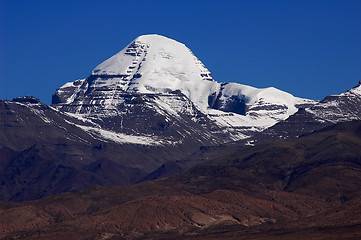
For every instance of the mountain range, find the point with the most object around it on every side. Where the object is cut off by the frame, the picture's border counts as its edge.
(208, 159)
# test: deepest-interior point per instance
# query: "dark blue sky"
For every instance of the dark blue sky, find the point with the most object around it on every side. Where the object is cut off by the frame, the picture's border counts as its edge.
(308, 48)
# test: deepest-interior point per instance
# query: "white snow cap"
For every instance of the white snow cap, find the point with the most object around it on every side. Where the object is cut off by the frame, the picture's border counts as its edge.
(157, 64)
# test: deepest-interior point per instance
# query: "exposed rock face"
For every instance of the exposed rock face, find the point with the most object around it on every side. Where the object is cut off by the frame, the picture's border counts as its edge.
(169, 118)
(27, 99)
(339, 108)
(235, 103)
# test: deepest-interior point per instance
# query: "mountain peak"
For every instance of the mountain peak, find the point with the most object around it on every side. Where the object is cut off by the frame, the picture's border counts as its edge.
(152, 69)
(156, 64)
(356, 89)
(156, 47)
(154, 38)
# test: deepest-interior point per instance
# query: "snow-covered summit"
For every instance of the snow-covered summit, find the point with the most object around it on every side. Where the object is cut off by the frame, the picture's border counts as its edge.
(157, 64)
(355, 90)
(179, 84)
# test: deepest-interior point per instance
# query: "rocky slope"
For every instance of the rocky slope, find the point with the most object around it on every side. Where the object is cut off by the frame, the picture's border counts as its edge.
(332, 109)
(304, 188)
(43, 152)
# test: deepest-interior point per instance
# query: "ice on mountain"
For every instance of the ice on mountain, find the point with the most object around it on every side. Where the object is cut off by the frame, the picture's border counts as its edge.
(159, 66)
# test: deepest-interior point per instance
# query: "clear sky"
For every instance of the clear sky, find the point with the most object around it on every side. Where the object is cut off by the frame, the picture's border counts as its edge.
(308, 48)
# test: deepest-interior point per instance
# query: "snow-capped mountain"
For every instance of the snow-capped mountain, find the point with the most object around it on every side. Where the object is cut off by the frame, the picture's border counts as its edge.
(339, 108)
(145, 113)
(157, 87)
(332, 109)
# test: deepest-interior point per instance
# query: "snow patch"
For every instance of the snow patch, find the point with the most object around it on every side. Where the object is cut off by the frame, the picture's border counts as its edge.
(121, 138)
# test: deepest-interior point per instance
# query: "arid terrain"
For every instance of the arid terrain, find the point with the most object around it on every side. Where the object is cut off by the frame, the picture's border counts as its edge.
(306, 188)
